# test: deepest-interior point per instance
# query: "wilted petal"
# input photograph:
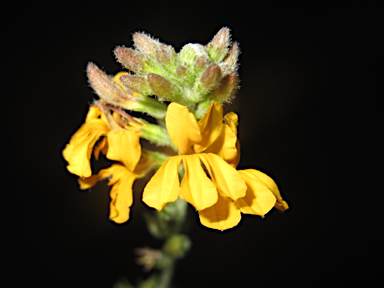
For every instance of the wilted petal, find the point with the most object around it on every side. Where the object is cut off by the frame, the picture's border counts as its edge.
(121, 192)
(79, 149)
(196, 188)
(259, 199)
(182, 127)
(210, 126)
(124, 146)
(226, 178)
(164, 185)
(223, 215)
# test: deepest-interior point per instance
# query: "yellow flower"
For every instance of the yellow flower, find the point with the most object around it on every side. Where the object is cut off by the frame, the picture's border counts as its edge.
(123, 146)
(209, 151)
(192, 138)
(262, 192)
(79, 149)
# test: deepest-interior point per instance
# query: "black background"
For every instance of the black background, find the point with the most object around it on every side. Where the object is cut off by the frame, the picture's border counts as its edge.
(303, 120)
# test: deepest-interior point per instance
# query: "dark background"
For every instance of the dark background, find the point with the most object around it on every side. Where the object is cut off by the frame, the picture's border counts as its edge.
(303, 120)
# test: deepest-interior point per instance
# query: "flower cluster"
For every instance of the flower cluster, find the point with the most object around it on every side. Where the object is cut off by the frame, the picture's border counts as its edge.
(185, 93)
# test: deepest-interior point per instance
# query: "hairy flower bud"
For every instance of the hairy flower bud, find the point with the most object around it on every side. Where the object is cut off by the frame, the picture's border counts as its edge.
(137, 83)
(162, 87)
(211, 77)
(227, 88)
(190, 52)
(200, 64)
(107, 89)
(166, 56)
(217, 48)
(145, 44)
(232, 57)
(129, 58)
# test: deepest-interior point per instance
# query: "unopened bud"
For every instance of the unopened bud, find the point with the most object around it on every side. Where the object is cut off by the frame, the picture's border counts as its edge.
(217, 48)
(145, 44)
(166, 56)
(200, 64)
(227, 88)
(162, 87)
(136, 83)
(107, 89)
(129, 58)
(232, 57)
(177, 246)
(211, 76)
(185, 75)
(190, 52)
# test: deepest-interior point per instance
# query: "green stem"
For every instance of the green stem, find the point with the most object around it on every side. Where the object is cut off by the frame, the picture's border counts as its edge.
(166, 275)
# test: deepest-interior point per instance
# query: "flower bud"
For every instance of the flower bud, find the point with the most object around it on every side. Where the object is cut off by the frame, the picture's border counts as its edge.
(162, 87)
(166, 57)
(177, 246)
(145, 44)
(190, 52)
(217, 48)
(107, 89)
(200, 64)
(227, 88)
(232, 57)
(137, 83)
(129, 58)
(211, 76)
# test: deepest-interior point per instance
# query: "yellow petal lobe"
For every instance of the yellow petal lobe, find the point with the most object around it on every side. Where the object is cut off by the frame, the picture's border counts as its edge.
(196, 188)
(124, 146)
(226, 178)
(259, 199)
(210, 126)
(182, 127)
(79, 149)
(268, 181)
(164, 184)
(221, 216)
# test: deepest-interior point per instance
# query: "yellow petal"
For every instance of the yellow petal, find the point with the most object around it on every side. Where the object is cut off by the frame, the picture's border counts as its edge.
(164, 185)
(196, 188)
(124, 146)
(226, 178)
(210, 126)
(121, 193)
(79, 149)
(225, 146)
(182, 127)
(232, 120)
(223, 215)
(268, 181)
(259, 199)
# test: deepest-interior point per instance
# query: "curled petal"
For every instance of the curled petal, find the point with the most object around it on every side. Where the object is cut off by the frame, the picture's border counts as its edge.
(182, 127)
(124, 146)
(268, 181)
(210, 126)
(121, 193)
(164, 185)
(259, 199)
(196, 188)
(79, 149)
(221, 216)
(226, 146)
(226, 178)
